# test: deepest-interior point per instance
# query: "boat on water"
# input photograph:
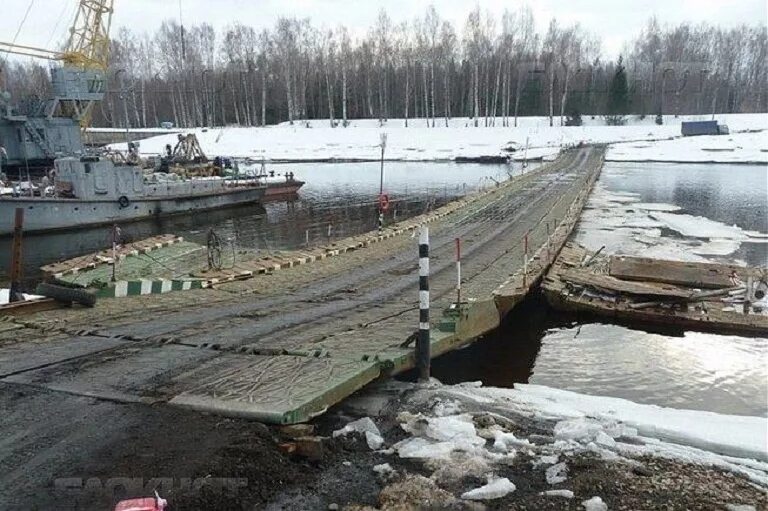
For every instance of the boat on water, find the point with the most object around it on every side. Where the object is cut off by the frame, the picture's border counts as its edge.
(94, 190)
(279, 186)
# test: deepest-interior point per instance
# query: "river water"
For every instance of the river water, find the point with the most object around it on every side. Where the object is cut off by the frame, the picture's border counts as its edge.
(720, 373)
(726, 374)
(338, 200)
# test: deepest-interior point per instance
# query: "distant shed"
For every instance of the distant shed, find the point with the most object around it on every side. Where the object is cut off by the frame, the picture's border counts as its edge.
(692, 128)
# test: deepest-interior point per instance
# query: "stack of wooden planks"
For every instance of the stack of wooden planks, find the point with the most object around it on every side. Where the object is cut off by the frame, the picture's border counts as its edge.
(700, 296)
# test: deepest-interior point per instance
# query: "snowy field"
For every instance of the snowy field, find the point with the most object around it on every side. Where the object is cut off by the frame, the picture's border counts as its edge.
(316, 140)
(734, 148)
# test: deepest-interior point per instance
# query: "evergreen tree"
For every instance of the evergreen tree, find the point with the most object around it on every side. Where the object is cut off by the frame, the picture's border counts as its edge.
(618, 96)
(573, 111)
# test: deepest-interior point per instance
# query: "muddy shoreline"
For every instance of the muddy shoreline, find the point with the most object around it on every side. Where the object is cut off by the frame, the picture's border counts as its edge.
(239, 464)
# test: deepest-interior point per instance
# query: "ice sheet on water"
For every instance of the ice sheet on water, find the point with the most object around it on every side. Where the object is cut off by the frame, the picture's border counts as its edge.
(656, 206)
(717, 247)
(496, 488)
(730, 442)
(701, 227)
(634, 229)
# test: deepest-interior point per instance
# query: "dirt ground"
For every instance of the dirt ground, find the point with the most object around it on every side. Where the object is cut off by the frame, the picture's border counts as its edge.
(211, 463)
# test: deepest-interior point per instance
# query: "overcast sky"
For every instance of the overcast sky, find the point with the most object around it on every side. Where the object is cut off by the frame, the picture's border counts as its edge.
(614, 21)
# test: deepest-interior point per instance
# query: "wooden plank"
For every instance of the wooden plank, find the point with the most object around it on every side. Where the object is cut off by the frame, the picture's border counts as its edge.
(698, 275)
(29, 307)
(609, 283)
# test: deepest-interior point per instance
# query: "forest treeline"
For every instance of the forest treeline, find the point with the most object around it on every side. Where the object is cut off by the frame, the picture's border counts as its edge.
(426, 70)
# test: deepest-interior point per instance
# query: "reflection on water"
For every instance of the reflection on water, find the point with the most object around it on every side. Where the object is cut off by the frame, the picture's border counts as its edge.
(719, 373)
(725, 374)
(732, 194)
(338, 200)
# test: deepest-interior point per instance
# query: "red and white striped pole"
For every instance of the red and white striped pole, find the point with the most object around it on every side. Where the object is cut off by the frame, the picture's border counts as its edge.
(458, 271)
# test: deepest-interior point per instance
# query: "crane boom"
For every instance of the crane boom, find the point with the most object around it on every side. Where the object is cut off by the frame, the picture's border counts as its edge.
(31, 51)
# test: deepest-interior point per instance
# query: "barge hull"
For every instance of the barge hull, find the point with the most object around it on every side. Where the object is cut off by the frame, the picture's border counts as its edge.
(47, 215)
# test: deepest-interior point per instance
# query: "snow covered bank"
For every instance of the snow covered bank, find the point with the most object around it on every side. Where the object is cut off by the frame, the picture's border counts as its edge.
(316, 140)
(731, 435)
(611, 428)
(735, 148)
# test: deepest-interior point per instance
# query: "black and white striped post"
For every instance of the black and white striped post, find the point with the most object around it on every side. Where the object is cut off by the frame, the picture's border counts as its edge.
(423, 354)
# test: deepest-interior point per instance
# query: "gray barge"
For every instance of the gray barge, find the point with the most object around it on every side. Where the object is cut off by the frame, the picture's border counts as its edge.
(95, 191)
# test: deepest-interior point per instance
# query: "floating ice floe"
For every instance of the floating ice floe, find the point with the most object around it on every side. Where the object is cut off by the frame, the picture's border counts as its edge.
(702, 227)
(496, 488)
(623, 225)
(656, 206)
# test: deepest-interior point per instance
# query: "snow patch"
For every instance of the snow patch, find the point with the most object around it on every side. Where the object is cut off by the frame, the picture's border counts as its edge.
(5, 296)
(383, 469)
(373, 440)
(495, 489)
(735, 148)
(365, 426)
(557, 473)
(595, 504)
(568, 494)
(732, 435)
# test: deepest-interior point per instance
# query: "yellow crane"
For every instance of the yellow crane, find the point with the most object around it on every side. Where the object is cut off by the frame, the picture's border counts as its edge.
(81, 81)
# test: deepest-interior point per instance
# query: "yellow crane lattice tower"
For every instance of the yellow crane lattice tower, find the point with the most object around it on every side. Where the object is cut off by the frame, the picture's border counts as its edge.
(88, 44)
